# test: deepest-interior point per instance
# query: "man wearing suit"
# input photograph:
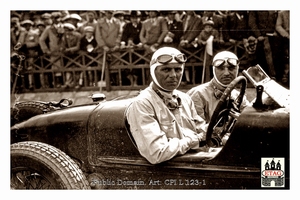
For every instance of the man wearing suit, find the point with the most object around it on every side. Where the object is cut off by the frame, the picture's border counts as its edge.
(218, 22)
(108, 37)
(51, 44)
(91, 21)
(132, 30)
(71, 46)
(153, 31)
(131, 38)
(108, 33)
(175, 30)
(262, 26)
(192, 25)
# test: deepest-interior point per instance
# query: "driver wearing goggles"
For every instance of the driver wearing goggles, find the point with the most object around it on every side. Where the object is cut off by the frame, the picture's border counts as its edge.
(165, 61)
(206, 96)
(163, 120)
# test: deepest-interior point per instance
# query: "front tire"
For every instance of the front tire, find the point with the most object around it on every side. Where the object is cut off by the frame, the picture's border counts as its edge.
(35, 165)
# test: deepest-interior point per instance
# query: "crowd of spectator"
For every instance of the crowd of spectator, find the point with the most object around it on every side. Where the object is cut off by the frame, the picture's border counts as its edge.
(264, 35)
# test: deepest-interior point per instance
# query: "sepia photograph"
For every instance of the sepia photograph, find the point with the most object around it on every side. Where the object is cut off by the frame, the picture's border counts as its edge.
(150, 98)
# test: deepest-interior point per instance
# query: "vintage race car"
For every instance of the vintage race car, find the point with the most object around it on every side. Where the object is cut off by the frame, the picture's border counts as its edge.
(55, 145)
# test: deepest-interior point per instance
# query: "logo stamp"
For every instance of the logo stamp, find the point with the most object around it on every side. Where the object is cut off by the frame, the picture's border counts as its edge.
(272, 172)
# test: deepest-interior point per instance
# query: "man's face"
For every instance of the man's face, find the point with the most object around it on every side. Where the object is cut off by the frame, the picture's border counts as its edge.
(89, 34)
(152, 14)
(91, 17)
(56, 20)
(134, 19)
(208, 28)
(108, 15)
(169, 75)
(48, 21)
(171, 16)
(41, 28)
(27, 26)
(226, 73)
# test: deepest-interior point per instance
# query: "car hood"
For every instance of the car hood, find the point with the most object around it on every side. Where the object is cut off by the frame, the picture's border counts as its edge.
(66, 115)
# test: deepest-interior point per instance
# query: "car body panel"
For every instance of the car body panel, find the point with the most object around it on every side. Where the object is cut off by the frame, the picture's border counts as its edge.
(97, 137)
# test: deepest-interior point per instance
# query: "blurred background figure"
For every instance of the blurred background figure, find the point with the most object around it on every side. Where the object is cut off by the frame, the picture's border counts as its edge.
(218, 22)
(283, 29)
(175, 30)
(43, 77)
(262, 27)
(71, 45)
(51, 44)
(207, 32)
(120, 16)
(131, 39)
(192, 26)
(89, 45)
(132, 29)
(211, 37)
(154, 30)
(73, 19)
(47, 19)
(108, 37)
(91, 20)
(235, 26)
(29, 40)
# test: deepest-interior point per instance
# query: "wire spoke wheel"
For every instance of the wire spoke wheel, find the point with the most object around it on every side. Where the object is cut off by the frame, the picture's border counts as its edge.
(35, 165)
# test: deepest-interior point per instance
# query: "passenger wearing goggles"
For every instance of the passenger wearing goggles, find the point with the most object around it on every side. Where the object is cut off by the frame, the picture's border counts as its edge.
(163, 120)
(206, 96)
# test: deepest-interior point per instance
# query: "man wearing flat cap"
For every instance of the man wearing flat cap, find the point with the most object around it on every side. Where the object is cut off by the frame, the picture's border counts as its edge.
(47, 19)
(91, 21)
(50, 42)
(73, 19)
(89, 46)
(71, 46)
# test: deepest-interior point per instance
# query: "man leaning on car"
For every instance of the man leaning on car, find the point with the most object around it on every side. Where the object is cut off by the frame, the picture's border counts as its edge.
(162, 119)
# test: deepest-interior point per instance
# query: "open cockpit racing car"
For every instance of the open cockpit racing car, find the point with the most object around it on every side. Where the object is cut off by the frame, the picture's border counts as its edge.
(55, 145)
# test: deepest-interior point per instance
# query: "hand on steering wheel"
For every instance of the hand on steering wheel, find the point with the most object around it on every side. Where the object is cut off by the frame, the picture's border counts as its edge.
(222, 121)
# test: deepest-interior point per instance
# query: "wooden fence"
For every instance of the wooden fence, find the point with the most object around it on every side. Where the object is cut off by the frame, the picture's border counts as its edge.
(119, 68)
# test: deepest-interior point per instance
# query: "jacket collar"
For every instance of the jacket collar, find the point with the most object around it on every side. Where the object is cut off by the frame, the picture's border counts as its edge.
(170, 99)
(218, 89)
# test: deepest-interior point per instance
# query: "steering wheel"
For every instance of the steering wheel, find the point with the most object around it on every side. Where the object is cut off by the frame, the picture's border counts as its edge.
(222, 121)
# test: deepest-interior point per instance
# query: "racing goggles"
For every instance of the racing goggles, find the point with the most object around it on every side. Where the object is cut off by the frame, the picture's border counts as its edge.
(233, 63)
(166, 58)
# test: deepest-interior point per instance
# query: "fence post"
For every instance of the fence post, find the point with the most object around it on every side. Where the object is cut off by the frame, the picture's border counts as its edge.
(103, 71)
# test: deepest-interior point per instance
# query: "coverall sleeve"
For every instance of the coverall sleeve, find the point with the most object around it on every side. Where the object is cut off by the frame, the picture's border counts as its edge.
(152, 142)
(199, 103)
